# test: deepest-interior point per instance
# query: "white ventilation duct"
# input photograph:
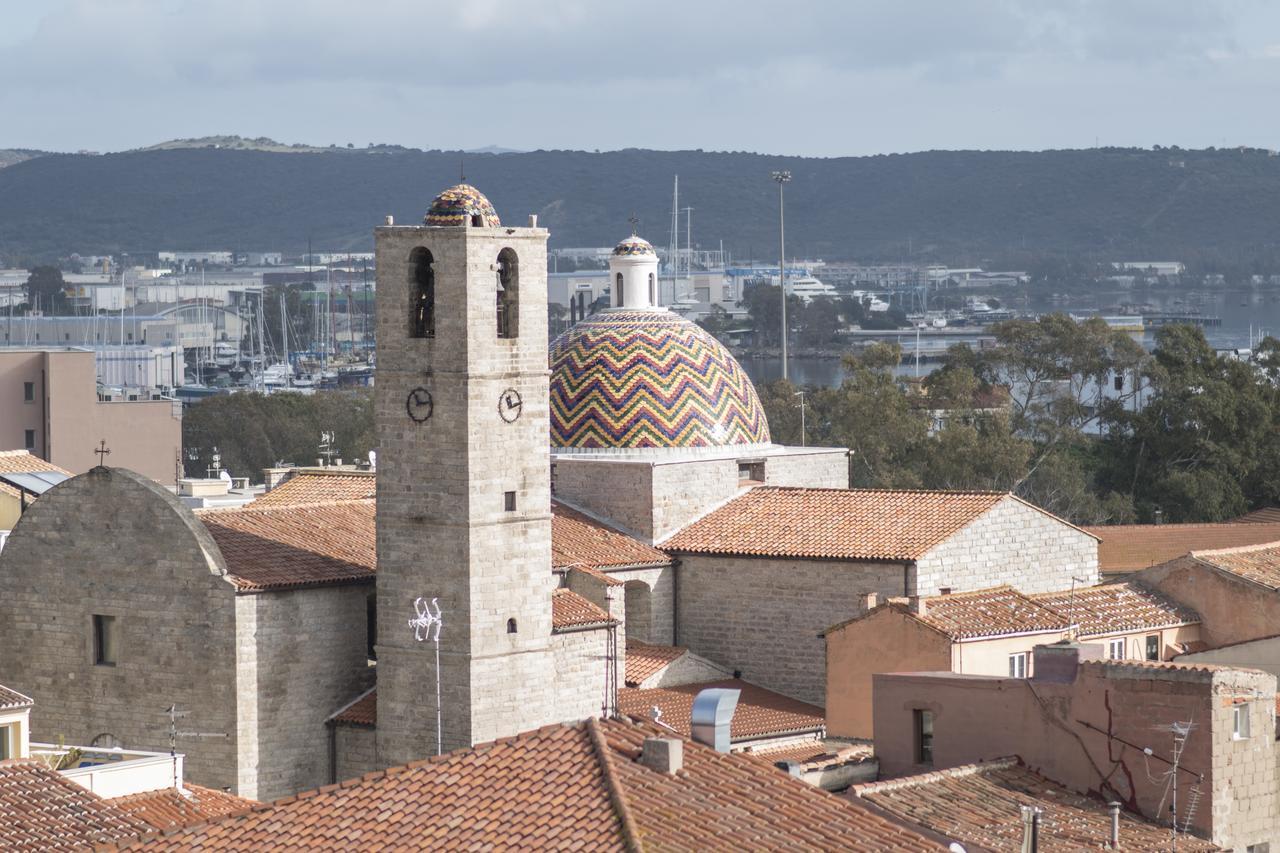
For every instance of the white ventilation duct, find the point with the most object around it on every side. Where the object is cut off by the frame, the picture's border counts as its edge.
(712, 713)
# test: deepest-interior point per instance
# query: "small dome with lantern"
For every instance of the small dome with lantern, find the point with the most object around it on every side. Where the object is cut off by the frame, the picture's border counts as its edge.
(462, 205)
(634, 245)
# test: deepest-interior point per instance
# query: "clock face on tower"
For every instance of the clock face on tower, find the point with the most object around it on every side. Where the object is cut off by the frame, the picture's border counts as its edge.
(419, 405)
(509, 405)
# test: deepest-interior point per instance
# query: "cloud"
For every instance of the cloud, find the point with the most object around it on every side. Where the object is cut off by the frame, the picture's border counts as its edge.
(578, 73)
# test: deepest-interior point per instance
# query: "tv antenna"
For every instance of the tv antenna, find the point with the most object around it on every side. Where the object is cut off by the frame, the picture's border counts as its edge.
(426, 625)
(326, 446)
(173, 714)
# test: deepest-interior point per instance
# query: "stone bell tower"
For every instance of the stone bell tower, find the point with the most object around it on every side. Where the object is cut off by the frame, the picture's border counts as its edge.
(464, 502)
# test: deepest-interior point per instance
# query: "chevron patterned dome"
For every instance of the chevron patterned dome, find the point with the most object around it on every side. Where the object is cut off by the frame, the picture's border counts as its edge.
(462, 205)
(649, 378)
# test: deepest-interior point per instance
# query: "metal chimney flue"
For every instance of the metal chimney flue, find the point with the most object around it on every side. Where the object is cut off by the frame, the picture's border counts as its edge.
(1115, 825)
(712, 714)
(1030, 829)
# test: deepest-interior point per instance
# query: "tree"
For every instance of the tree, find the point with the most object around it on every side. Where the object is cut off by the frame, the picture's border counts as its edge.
(46, 291)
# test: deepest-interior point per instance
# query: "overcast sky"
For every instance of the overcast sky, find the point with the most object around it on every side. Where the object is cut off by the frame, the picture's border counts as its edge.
(805, 77)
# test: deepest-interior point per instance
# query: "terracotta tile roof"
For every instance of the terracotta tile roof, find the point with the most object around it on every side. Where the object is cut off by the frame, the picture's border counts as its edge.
(1257, 563)
(24, 462)
(645, 661)
(363, 711)
(839, 524)
(979, 805)
(1112, 607)
(579, 539)
(1171, 666)
(10, 699)
(1132, 547)
(310, 486)
(1266, 515)
(40, 809)
(291, 546)
(760, 712)
(570, 610)
(167, 808)
(577, 786)
(806, 752)
(991, 612)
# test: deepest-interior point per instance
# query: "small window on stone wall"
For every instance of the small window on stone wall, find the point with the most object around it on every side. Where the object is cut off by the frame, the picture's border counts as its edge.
(753, 471)
(509, 501)
(511, 626)
(104, 640)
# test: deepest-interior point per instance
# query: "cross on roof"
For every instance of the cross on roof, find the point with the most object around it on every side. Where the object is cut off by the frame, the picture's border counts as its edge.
(635, 223)
(102, 452)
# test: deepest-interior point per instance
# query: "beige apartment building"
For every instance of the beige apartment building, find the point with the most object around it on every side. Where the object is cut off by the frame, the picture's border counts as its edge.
(49, 405)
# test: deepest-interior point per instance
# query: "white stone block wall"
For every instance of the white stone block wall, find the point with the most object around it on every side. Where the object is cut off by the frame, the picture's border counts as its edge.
(309, 650)
(823, 468)
(1014, 544)
(1244, 776)
(764, 616)
(357, 751)
(660, 581)
(583, 666)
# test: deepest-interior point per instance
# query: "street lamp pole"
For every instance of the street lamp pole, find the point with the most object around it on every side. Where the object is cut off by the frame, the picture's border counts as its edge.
(782, 178)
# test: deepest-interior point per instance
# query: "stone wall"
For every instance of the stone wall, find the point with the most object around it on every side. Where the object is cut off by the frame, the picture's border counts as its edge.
(819, 468)
(357, 751)
(583, 665)
(444, 529)
(1013, 543)
(1232, 610)
(308, 651)
(112, 542)
(621, 491)
(661, 582)
(687, 669)
(764, 616)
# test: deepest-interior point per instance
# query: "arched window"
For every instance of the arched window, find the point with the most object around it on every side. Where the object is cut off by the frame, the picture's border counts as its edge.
(653, 290)
(511, 626)
(422, 294)
(619, 296)
(508, 294)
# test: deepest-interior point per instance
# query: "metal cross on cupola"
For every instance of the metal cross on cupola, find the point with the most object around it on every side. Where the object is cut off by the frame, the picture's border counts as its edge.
(635, 224)
(102, 452)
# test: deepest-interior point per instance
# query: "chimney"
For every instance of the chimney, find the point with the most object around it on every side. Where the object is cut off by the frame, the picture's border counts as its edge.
(712, 713)
(389, 219)
(916, 603)
(870, 600)
(1159, 515)
(1059, 662)
(1114, 808)
(1030, 829)
(663, 754)
(533, 220)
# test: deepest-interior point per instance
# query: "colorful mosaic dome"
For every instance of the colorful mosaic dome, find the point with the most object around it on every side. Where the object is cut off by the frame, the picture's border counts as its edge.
(645, 378)
(634, 245)
(459, 206)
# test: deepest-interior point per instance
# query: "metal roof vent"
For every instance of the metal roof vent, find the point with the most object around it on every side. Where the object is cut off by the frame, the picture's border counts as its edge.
(712, 713)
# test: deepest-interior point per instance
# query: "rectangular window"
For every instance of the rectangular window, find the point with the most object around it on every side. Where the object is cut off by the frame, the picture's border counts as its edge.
(1240, 722)
(509, 501)
(104, 640)
(7, 747)
(29, 438)
(28, 392)
(1115, 649)
(1153, 647)
(1018, 665)
(753, 471)
(923, 722)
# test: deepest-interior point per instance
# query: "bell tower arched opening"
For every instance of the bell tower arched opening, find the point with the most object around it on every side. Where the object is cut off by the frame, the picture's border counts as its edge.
(508, 294)
(422, 298)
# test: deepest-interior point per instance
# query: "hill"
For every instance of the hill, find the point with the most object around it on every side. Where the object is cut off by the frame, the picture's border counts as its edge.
(955, 206)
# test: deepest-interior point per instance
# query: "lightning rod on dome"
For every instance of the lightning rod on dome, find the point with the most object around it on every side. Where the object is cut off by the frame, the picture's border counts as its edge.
(426, 625)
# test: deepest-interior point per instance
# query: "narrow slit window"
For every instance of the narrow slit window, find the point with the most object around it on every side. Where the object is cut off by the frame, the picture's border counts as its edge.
(422, 302)
(509, 501)
(619, 297)
(653, 290)
(923, 725)
(508, 294)
(104, 640)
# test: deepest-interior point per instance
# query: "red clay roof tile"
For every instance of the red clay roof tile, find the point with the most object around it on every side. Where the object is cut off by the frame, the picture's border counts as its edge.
(760, 712)
(570, 610)
(11, 699)
(991, 612)
(645, 661)
(40, 809)
(1133, 547)
(300, 545)
(1112, 607)
(578, 786)
(578, 539)
(1257, 563)
(308, 486)
(838, 524)
(168, 808)
(979, 805)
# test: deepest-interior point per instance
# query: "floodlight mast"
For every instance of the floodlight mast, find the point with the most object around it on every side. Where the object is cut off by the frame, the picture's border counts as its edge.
(782, 178)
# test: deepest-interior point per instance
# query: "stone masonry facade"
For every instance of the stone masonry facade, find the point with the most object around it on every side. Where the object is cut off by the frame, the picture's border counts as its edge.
(1012, 543)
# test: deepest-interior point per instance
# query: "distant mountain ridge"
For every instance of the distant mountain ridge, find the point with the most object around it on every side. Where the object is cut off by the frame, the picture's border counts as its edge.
(953, 206)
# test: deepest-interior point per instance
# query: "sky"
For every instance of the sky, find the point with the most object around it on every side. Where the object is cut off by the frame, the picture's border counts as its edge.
(804, 77)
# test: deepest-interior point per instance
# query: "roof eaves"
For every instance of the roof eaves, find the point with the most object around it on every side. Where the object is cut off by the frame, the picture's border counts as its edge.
(332, 718)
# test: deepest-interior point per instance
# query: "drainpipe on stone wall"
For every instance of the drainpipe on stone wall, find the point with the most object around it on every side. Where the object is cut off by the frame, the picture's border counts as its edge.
(333, 751)
(675, 602)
